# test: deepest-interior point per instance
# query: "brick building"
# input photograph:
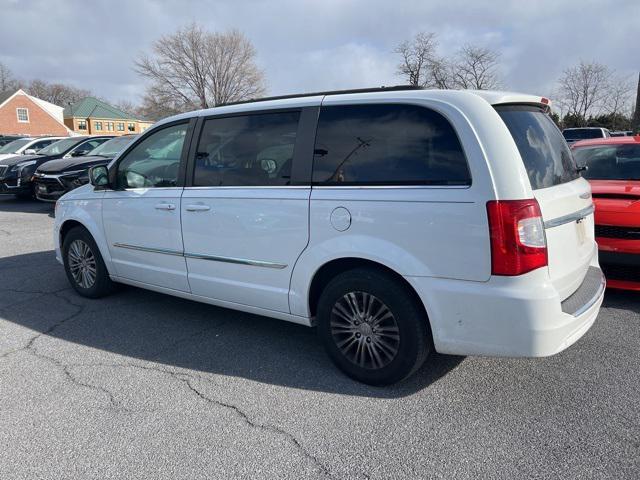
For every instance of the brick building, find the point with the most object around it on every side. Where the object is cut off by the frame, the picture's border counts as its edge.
(22, 114)
(91, 116)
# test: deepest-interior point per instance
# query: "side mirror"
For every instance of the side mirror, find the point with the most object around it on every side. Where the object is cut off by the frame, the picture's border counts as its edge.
(79, 153)
(30, 151)
(99, 176)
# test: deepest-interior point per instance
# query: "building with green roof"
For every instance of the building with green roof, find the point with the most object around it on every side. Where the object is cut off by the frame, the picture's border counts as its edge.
(91, 116)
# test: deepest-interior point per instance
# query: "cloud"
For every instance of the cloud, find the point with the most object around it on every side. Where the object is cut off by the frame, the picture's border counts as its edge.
(311, 45)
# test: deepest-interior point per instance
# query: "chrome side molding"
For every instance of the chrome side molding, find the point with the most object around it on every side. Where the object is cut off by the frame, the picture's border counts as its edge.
(200, 256)
(572, 217)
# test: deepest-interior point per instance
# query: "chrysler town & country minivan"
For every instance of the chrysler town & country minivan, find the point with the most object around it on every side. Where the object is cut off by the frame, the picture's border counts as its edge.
(397, 221)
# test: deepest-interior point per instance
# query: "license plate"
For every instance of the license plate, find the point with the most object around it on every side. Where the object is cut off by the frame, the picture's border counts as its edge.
(42, 189)
(581, 231)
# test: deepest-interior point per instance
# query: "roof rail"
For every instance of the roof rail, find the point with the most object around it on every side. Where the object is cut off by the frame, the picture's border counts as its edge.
(330, 92)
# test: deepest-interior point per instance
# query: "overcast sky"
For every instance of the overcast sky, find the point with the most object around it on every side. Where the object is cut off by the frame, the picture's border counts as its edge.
(317, 45)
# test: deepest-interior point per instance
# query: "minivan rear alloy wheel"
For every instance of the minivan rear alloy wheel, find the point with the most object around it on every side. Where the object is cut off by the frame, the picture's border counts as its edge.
(372, 327)
(84, 266)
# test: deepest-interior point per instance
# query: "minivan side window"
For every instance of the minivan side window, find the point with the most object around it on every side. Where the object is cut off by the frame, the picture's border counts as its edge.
(155, 161)
(387, 144)
(246, 150)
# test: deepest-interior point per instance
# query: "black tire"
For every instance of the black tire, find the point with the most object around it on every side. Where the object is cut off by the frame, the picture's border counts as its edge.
(407, 330)
(102, 284)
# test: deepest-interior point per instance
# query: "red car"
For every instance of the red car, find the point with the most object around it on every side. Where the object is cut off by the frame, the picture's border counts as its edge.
(613, 169)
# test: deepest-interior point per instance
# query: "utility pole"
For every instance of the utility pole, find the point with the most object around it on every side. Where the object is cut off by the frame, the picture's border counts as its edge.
(636, 112)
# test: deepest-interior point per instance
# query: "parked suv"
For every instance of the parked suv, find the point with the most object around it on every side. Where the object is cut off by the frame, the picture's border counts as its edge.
(57, 177)
(583, 133)
(397, 221)
(16, 173)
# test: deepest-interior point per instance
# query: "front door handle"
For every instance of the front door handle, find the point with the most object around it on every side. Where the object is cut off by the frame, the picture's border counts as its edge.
(197, 207)
(165, 206)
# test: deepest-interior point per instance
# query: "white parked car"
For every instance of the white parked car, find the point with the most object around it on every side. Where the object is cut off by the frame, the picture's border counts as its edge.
(26, 146)
(397, 221)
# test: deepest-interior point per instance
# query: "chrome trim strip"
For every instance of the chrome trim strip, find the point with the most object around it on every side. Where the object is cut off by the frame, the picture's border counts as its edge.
(200, 256)
(572, 217)
(249, 187)
(391, 187)
(594, 299)
(239, 261)
(148, 249)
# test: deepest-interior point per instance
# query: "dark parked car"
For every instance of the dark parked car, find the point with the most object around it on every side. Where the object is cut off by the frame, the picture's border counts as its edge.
(57, 177)
(16, 173)
(4, 139)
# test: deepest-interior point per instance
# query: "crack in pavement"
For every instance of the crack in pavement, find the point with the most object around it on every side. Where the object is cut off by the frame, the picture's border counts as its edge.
(268, 428)
(187, 378)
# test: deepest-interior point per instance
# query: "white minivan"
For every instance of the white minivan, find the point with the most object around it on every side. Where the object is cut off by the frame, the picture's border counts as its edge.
(395, 220)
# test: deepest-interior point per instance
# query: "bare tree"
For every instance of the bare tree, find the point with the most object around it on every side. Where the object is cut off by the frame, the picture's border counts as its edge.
(618, 101)
(473, 67)
(476, 68)
(583, 89)
(418, 58)
(193, 68)
(56, 93)
(7, 81)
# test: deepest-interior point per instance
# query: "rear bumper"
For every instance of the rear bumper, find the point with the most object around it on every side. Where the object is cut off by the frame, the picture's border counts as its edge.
(509, 316)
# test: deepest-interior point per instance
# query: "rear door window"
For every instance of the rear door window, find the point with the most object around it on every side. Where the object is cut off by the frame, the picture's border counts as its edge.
(545, 153)
(247, 150)
(387, 144)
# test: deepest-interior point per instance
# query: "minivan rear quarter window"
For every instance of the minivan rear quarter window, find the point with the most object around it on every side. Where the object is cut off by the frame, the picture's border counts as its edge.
(387, 144)
(543, 149)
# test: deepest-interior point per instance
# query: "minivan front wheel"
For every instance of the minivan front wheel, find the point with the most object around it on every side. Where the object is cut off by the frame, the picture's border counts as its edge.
(84, 266)
(372, 327)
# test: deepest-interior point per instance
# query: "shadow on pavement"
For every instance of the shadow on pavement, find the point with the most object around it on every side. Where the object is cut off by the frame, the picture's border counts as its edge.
(149, 326)
(11, 203)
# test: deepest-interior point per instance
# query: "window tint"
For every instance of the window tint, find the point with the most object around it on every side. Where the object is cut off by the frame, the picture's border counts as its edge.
(387, 145)
(87, 146)
(248, 150)
(609, 162)
(582, 133)
(544, 151)
(41, 144)
(155, 161)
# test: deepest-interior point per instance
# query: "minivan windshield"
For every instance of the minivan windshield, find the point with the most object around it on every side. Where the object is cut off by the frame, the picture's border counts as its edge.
(111, 148)
(60, 146)
(582, 133)
(543, 149)
(13, 147)
(609, 162)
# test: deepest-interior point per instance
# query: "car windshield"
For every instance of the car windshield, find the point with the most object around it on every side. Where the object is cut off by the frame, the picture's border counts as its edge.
(609, 162)
(582, 133)
(13, 147)
(113, 147)
(60, 146)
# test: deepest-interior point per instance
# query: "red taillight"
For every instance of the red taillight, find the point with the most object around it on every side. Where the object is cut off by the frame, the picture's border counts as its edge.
(518, 243)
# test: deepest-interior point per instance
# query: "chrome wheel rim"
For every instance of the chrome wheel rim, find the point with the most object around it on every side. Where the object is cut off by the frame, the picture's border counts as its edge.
(365, 330)
(82, 264)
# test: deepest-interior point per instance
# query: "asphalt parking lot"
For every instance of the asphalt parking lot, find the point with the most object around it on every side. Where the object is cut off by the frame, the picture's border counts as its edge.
(141, 385)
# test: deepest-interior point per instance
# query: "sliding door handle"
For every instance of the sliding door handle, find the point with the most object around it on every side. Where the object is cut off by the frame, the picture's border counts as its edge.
(197, 207)
(165, 206)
